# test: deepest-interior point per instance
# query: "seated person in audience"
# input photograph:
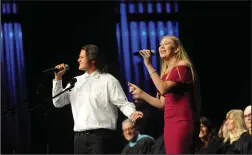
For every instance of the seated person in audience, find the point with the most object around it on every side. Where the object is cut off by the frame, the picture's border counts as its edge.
(247, 118)
(158, 146)
(138, 143)
(205, 134)
(209, 141)
(236, 140)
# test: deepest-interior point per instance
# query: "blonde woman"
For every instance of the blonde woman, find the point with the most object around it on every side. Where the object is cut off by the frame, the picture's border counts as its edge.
(236, 141)
(178, 94)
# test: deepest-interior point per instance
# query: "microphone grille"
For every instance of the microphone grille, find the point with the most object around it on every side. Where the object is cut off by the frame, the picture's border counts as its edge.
(153, 51)
(67, 67)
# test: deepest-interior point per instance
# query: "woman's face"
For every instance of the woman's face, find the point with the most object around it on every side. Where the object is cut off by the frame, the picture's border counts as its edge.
(203, 131)
(167, 48)
(230, 124)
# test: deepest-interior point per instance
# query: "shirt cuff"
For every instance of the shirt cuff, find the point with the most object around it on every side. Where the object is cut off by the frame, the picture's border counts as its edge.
(57, 82)
(128, 111)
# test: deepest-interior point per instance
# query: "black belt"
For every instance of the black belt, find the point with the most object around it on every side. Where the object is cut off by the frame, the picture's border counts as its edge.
(95, 131)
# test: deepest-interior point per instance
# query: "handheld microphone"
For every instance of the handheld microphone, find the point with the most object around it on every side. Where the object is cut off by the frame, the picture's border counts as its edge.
(56, 69)
(138, 54)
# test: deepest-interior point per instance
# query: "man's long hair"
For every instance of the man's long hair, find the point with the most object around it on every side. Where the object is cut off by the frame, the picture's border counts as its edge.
(94, 54)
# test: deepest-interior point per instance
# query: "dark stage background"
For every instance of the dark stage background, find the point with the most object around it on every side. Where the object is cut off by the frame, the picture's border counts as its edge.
(216, 35)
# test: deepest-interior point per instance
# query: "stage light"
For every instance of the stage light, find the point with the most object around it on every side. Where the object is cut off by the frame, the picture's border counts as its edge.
(134, 38)
(169, 28)
(8, 10)
(140, 8)
(149, 8)
(161, 33)
(176, 7)
(131, 8)
(168, 8)
(11, 34)
(14, 8)
(159, 7)
(12, 57)
(143, 33)
(153, 45)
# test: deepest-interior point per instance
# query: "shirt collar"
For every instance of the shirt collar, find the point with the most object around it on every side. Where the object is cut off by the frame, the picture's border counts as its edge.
(133, 143)
(95, 74)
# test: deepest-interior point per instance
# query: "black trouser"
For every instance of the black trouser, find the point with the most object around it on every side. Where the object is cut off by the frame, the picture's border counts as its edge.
(99, 141)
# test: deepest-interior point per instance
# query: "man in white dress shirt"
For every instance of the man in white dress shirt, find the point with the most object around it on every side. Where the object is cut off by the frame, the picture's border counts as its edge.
(95, 100)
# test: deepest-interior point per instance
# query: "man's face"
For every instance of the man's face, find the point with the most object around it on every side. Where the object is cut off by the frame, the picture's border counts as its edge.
(247, 117)
(83, 61)
(129, 131)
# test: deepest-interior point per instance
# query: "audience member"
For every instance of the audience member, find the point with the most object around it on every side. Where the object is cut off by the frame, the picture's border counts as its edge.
(205, 134)
(138, 143)
(236, 140)
(247, 118)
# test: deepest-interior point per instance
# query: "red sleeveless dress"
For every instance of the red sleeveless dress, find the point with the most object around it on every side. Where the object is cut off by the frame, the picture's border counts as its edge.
(179, 117)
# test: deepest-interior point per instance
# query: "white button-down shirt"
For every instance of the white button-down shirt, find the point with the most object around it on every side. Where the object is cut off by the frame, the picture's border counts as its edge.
(94, 101)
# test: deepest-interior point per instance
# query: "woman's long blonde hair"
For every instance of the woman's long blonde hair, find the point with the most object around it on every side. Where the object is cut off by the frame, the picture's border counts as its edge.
(222, 134)
(240, 127)
(182, 55)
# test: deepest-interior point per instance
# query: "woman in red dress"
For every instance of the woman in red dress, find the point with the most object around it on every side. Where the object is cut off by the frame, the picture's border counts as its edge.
(178, 94)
